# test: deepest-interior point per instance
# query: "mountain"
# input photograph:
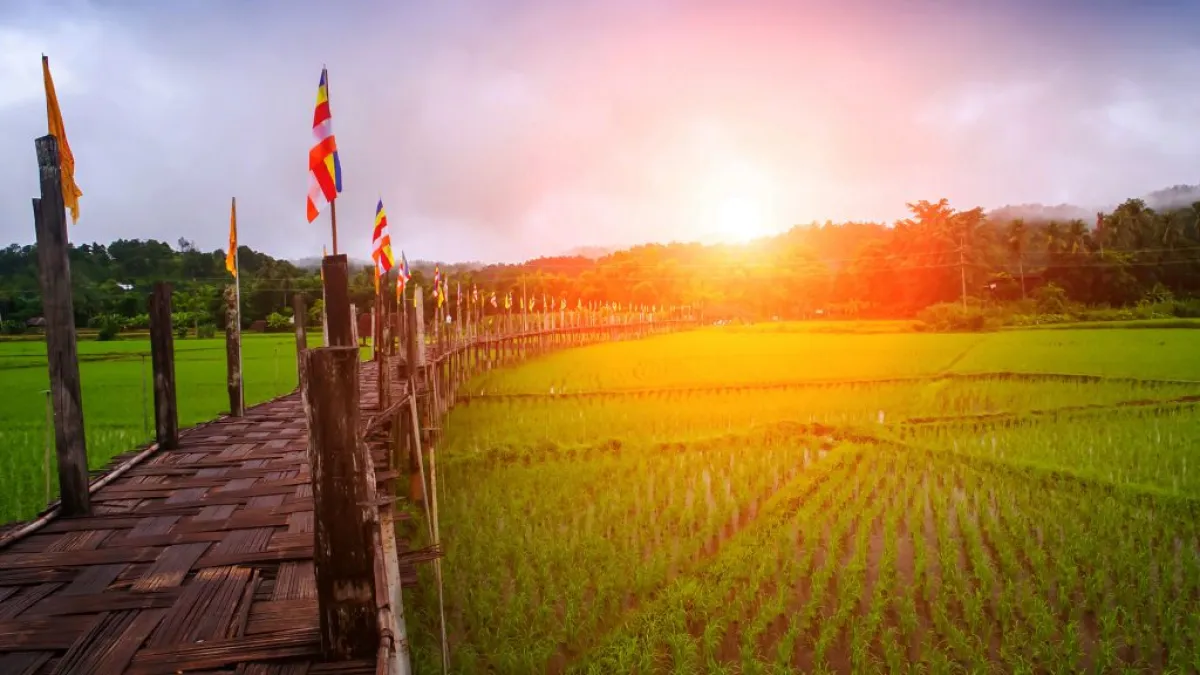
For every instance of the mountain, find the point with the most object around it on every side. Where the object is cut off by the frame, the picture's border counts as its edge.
(591, 252)
(1175, 197)
(1041, 213)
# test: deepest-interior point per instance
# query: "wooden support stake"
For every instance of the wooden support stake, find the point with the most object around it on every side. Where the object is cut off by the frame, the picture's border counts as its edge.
(50, 221)
(416, 437)
(416, 343)
(343, 483)
(162, 358)
(338, 318)
(299, 317)
(233, 352)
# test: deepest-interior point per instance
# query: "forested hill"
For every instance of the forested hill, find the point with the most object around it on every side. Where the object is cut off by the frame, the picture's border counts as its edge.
(1167, 199)
(859, 269)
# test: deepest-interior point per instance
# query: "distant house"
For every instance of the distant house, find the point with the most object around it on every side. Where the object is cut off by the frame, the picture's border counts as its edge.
(36, 322)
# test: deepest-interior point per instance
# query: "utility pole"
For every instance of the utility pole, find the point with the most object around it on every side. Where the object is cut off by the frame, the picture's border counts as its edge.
(962, 270)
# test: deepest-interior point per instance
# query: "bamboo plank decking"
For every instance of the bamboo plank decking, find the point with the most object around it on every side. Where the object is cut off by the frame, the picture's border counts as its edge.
(196, 560)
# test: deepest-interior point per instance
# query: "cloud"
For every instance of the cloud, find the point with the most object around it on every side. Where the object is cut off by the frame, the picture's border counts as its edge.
(500, 130)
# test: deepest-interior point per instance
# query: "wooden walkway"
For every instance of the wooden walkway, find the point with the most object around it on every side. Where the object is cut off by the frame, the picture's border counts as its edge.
(196, 560)
(200, 559)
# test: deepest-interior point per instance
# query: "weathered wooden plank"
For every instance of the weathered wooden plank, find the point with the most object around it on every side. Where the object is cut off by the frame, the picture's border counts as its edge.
(23, 663)
(104, 556)
(171, 567)
(111, 601)
(48, 634)
(162, 357)
(233, 352)
(25, 598)
(115, 655)
(32, 577)
(169, 660)
(54, 274)
(343, 485)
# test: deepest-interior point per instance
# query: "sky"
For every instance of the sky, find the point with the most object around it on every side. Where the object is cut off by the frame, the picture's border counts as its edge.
(503, 130)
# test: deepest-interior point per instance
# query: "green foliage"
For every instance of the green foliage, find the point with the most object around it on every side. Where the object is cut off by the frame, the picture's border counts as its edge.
(709, 507)
(952, 317)
(12, 327)
(278, 323)
(108, 326)
(206, 331)
(1051, 299)
(846, 271)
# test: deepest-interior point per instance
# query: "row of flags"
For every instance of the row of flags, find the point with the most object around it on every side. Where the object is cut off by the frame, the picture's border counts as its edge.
(325, 183)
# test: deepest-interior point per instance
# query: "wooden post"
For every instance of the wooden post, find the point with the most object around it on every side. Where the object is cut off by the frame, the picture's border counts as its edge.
(354, 324)
(416, 342)
(340, 322)
(343, 483)
(384, 379)
(299, 316)
(50, 221)
(162, 357)
(233, 353)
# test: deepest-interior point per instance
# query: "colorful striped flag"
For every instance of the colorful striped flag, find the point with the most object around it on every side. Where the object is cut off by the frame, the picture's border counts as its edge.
(66, 161)
(381, 243)
(324, 168)
(231, 254)
(403, 275)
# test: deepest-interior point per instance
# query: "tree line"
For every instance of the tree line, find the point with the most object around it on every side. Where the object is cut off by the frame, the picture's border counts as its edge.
(936, 256)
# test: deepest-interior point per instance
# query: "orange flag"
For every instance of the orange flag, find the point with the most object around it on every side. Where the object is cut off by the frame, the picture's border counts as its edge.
(66, 161)
(231, 254)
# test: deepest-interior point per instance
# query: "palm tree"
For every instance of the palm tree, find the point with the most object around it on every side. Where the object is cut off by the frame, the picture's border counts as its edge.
(1053, 235)
(1017, 236)
(1075, 238)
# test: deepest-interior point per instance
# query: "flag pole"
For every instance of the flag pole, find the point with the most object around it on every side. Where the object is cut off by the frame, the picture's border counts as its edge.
(332, 202)
(333, 221)
(237, 299)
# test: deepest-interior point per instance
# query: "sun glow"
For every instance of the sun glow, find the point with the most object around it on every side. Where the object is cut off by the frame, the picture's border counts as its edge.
(738, 206)
(740, 218)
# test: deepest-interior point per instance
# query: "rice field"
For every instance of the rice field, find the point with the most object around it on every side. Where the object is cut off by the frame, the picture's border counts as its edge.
(118, 403)
(789, 500)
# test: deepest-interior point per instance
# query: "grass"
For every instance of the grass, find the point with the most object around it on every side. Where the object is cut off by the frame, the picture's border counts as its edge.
(118, 406)
(721, 357)
(697, 503)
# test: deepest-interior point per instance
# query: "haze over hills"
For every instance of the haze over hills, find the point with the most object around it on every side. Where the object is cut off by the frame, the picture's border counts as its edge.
(1174, 197)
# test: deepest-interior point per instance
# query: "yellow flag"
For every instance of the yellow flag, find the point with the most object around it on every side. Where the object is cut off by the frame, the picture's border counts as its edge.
(66, 161)
(324, 254)
(231, 254)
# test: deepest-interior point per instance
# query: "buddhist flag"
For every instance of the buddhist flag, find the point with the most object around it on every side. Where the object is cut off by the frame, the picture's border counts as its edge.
(66, 161)
(381, 243)
(494, 299)
(403, 275)
(231, 254)
(324, 168)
